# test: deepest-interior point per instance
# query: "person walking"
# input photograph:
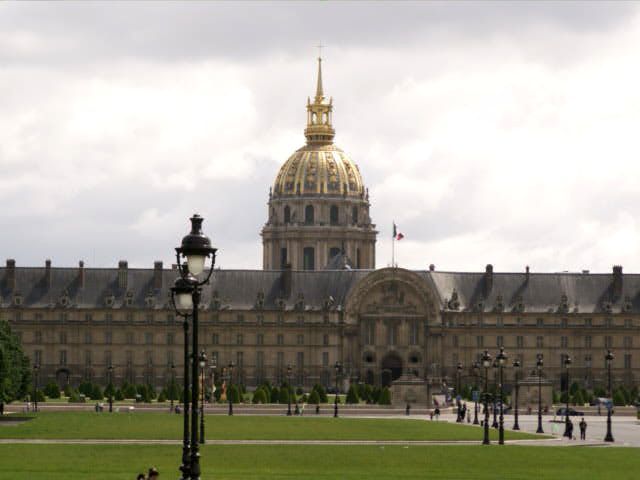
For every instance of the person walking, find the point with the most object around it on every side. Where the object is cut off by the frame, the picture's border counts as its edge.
(583, 429)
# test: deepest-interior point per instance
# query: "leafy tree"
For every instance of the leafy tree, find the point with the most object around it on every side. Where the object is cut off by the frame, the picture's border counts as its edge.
(109, 390)
(352, 395)
(15, 372)
(259, 396)
(275, 395)
(51, 390)
(314, 397)
(555, 397)
(368, 390)
(385, 397)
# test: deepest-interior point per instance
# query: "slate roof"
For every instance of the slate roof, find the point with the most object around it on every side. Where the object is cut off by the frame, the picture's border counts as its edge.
(246, 289)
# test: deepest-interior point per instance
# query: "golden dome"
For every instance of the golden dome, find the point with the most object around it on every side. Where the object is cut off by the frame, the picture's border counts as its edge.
(319, 168)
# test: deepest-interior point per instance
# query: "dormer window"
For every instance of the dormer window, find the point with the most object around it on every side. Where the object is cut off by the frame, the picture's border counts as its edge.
(108, 300)
(17, 299)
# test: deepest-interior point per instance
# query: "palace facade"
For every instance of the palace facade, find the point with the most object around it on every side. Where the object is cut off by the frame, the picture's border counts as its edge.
(319, 300)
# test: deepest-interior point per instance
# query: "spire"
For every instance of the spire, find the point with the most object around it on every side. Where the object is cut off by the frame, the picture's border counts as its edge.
(319, 92)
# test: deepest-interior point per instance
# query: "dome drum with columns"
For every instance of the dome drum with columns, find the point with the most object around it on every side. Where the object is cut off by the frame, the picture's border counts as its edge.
(318, 206)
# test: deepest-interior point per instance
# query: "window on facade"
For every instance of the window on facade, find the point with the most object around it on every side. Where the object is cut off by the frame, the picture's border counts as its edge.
(169, 357)
(564, 342)
(333, 215)
(214, 358)
(354, 215)
(170, 318)
(300, 360)
(454, 340)
(587, 361)
(240, 359)
(627, 342)
(129, 317)
(108, 337)
(608, 342)
(333, 251)
(260, 360)
(239, 339)
(170, 338)
(63, 337)
(215, 339)
(392, 333)
(38, 336)
(308, 257)
(63, 357)
(587, 341)
(499, 341)
(63, 316)
(358, 264)
(87, 338)
(325, 339)
(520, 341)
(87, 358)
(627, 361)
(628, 323)
(149, 317)
(587, 322)
(540, 322)
(38, 317)
(148, 357)
(240, 318)
(479, 341)
(325, 359)
(608, 322)
(308, 215)
(107, 358)
(37, 357)
(539, 342)
(500, 322)
(300, 320)
(280, 366)
(260, 339)
(87, 317)
(148, 338)
(129, 357)
(370, 332)
(130, 340)
(300, 339)
(287, 214)
(413, 332)
(280, 339)
(108, 317)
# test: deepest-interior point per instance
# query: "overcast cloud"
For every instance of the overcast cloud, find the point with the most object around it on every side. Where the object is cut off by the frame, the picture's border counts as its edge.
(502, 133)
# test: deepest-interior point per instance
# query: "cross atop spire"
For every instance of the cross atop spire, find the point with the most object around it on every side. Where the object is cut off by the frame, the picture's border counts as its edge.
(319, 92)
(319, 122)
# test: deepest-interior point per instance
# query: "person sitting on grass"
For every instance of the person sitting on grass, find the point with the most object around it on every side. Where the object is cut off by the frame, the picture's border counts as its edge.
(154, 474)
(141, 477)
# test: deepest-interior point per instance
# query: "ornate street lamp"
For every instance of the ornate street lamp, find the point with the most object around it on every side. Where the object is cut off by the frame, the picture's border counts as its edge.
(289, 374)
(566, 363)
(609, 358)
(110, 387)
(203, 364)
(172, 388)
(338, 368)
(495, 393)
(230, 378)
(502, 360)
(539, 364)
(476, 369)
(195, 249)
(36, 369)
(486, 363)
(458, 372)
(516, 367)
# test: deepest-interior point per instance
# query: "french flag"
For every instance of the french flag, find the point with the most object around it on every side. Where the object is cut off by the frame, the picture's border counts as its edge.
(397, 234)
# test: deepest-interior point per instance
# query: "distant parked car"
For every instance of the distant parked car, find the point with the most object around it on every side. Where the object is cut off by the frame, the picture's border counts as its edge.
(572, 413)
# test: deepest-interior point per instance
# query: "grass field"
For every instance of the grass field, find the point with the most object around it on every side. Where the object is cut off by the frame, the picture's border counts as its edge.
(140, 425)
(58, 462)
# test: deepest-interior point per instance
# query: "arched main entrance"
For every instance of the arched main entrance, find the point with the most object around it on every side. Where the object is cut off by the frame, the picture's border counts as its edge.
(62, 377)
(391, 368)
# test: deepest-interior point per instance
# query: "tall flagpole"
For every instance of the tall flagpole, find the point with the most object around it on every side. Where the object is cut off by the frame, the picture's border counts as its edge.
(393, 246)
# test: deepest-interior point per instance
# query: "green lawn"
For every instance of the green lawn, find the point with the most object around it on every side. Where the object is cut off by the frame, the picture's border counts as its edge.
(110, 462)
(140, 425)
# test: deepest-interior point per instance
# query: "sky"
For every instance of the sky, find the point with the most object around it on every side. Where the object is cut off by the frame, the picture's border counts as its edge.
(490, 132)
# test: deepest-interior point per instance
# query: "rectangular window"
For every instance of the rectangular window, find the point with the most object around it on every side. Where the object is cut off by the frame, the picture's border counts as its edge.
(325, 359)
(215, 339)
(87, 338)
(587, 322)
(149, 317)
(129, 357)
(107, 357)
(587, 341)
(564, 323)
(300, 360)
(280, 362)
(63, 357)
(369, 335)
(280, 339)
(627, 361)
(260, 319)
(479, 341)
(38, 317)
(170, 318)
(540, 322)
(239, 339)
(628, 342)
(539, 342)
(325, 339)
(87, 358)
(38, 336)
(300, 320)
(130, 339)
(108, 317)
(499, 322)
(129, 317)
(564, 342)
(260, 339)
(608, 322)
(500, 341)
(520, 341)
(88, 317)
(214, 358)
(608, 342)
(170, 338)
(628, 323)
(300, 340)
(587, 361)
(63, 337)
(392, 333)
(454, 340)
(169, 357)
(240, 318)
(37, 357)
(240, 360)
(148, 338)
(413, 332)
(108, 337)
(148, 357)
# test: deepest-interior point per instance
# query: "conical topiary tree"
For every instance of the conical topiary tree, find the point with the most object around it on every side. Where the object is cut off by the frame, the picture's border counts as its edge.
(352, 396)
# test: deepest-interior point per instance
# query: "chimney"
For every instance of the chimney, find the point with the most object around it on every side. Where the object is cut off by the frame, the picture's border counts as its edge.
(122, 274)
(617, 281)
(81, 274)
(526, 273)
(11, 274)
(488, 280)
(432, 268)
(285, 280)
(47, 273)
(157, 275)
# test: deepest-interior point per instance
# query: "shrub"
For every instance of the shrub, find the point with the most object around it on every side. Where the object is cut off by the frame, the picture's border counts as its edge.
(52, 390)
(314, 397)
(368, 390)
(96, 393)
(162, 397)
(618, 399)
(352, 396)
(321, 393)
(275, 395)
(555, 397)
(385, 397)
(109, 390)
(259, 396)
(284, 395)
(74, 396)
(234, 394)
(85, 388)
(578, 399)
(67, 390)
(299, 391)
(118, 395)
(375, 394)
(128, 390)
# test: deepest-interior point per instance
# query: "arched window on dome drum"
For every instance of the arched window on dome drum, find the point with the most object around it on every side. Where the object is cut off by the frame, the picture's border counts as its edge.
(308, 214)
(354, 215)
(308, 258)
(333, 215)
(287, 214)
